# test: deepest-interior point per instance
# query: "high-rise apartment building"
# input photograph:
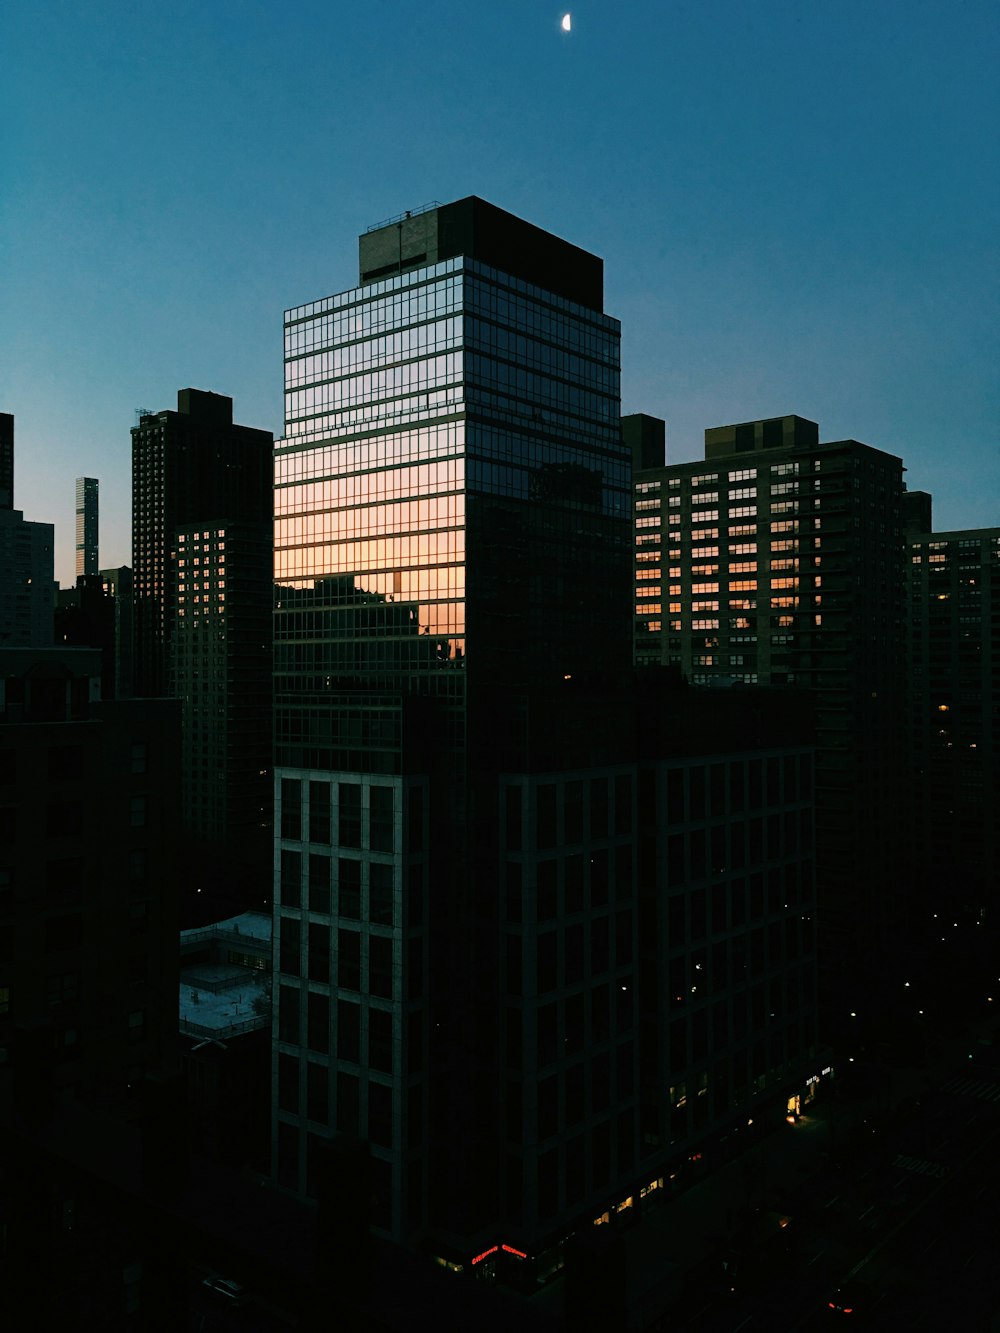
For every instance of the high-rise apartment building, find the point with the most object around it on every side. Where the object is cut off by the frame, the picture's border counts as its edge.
(188, 466)
(86, 526)
(459, 798)
(778, 560)
(201, 540)
(221, 670)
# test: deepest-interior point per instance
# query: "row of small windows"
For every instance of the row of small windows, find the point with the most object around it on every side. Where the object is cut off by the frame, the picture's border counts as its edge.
(376, 386)
(370, 315)
(404, 481)
(404, 345)
(412, 409)
(590, 333)
(554, 359)
(408, 551)
(389, 449)
(407, 515)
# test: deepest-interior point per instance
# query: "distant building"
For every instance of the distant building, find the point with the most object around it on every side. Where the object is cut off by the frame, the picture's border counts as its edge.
(201, 539)
(6, 460)
(84, 617)
(86, 526)
(220, 669)
(27, 585)
(778, 561)
(188, 466)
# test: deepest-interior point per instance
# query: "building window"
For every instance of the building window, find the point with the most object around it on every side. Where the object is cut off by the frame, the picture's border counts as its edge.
(349, 960)
(291, 808)
(381, 819)
(291, 878)
(350, 814)
(137, 811)
(380, 894)
(349, 889)
(319, 812)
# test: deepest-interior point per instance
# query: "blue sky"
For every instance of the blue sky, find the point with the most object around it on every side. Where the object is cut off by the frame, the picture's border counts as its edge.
(797, 205)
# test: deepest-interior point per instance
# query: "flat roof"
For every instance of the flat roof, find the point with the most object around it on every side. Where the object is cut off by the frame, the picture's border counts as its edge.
(255, 925)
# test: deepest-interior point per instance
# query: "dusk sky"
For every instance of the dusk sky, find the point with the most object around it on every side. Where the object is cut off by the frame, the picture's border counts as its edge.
(797, 206)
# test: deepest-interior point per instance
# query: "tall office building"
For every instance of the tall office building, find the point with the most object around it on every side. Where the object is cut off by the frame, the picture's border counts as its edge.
(201, 540)
(86, 526)
(778, 560)
(451, 522)
(459, 792)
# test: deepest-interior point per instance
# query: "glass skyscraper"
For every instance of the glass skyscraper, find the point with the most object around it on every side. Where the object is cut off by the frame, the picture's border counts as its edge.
(86, 525)
(452, 530)
(496, 966)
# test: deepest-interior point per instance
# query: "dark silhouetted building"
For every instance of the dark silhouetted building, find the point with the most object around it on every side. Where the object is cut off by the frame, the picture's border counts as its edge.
(225, 1037)
(954, 662)
(85, 618)
(118, 585)
(27, 585)
(6, 460)
(88, 950)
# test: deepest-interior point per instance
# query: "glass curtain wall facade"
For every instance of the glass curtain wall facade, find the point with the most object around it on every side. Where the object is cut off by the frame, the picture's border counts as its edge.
(452, 523)
(425, 413)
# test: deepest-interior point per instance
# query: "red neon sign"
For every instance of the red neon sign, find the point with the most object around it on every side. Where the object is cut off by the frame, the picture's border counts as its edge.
(507, 1249)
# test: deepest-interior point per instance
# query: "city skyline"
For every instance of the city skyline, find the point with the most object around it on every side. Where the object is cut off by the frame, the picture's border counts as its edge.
(795, 210)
